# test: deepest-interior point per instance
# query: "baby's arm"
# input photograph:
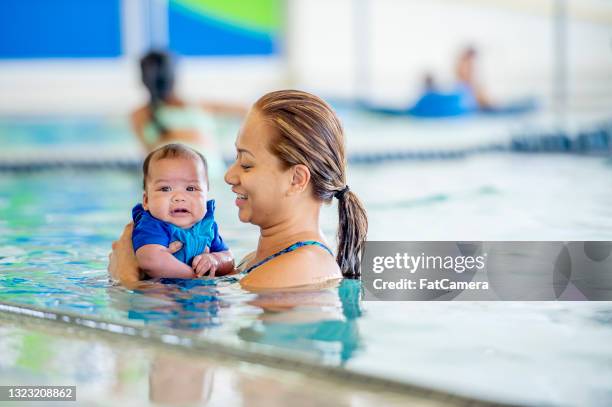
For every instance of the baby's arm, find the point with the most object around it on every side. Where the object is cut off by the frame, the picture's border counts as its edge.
(216, 264)
(157, 261)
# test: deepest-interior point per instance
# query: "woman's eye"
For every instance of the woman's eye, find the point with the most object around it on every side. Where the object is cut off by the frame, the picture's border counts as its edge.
(245, 166)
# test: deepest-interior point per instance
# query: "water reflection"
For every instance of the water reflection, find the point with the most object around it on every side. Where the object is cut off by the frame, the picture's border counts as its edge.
(130, 373)
(176, 380)
(172, 303)
(323, 323)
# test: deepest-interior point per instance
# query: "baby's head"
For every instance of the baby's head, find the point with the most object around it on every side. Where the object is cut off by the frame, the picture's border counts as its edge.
(175, 185)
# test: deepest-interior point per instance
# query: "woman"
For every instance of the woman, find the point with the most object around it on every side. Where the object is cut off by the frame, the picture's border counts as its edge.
(168, 118)
(290, 161)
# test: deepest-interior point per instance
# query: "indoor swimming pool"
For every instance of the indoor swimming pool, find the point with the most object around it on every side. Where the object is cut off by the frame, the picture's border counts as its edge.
(56, 228)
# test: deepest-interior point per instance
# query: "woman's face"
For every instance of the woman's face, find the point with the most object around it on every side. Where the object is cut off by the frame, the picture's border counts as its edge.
(258, 178)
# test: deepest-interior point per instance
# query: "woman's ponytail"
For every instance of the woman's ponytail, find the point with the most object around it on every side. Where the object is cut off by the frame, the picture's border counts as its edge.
(352, 232)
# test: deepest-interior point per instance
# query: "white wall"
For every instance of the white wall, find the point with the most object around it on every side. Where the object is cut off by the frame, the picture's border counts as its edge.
(406, 38)
(108, 87)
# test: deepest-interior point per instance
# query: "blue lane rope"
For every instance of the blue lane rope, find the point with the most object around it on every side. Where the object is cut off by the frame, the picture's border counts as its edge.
(597, 141)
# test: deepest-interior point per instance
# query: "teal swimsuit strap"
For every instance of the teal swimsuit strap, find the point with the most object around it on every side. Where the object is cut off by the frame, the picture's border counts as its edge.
(287, 250)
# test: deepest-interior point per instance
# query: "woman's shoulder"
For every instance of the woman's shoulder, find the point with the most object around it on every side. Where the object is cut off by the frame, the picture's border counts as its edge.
(310, 262)
(306, 266)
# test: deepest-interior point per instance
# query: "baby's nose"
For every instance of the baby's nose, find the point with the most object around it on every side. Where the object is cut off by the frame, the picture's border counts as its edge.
(178, 197)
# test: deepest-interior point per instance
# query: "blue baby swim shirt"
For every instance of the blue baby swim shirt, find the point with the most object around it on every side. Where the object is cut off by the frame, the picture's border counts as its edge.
(205, 233)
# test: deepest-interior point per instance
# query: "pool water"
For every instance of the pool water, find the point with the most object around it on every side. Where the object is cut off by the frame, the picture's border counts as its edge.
(56, 228)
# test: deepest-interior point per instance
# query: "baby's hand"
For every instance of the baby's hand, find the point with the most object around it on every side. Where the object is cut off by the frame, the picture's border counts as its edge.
(205, 263)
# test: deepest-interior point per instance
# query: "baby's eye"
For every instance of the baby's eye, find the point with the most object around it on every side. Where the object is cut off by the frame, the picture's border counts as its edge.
(165, 189)
(192, 188)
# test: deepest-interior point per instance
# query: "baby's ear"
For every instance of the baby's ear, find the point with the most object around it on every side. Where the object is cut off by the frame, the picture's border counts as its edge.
(145, 201)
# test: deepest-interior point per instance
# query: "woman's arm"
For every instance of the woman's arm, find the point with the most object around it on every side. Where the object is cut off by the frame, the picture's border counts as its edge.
(225, 108)
(138, 120)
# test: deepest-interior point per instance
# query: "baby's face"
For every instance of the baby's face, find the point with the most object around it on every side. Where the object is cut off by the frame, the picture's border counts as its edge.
(176, 191)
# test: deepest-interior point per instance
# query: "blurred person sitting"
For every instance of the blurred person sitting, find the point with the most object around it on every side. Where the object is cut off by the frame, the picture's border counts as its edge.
(465, 97)
(467, 82)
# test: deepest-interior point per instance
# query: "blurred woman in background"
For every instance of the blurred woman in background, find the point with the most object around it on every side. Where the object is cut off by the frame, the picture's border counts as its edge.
(168, 118)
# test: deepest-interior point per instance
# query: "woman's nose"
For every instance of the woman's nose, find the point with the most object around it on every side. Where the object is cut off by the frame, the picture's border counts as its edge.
(230, 175)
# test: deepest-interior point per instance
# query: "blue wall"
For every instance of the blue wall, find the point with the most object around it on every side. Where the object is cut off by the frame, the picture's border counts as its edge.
(195, 33)
(60, 29)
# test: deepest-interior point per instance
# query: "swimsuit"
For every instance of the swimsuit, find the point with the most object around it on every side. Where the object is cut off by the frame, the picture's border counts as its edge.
(179, 118)
(205, 233)
(287, 250)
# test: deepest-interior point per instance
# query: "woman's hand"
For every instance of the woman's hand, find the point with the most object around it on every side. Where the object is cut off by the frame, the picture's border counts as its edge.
(122, 266)
(213, 264)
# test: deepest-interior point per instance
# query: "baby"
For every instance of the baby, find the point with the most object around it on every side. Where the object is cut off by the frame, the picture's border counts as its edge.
(174, 208)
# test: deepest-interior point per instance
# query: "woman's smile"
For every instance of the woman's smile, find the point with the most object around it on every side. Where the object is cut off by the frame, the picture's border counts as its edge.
(240, 198)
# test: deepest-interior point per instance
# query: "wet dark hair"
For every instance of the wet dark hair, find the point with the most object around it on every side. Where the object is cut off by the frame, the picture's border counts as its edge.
(174, 150)
(310, 133)
(157, 69)
(469, 51)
